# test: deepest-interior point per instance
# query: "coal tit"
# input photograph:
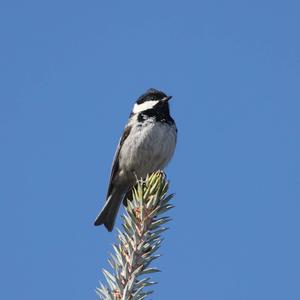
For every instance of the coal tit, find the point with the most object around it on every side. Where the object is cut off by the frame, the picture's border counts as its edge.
(146, 146)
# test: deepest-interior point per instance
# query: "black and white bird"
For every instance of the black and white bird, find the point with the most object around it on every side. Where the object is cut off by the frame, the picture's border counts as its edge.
(146, 146)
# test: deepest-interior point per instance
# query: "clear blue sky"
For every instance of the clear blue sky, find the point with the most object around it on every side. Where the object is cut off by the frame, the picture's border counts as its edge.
(70, 72)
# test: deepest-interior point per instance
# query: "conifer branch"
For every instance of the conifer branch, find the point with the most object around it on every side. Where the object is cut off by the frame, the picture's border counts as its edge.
(138, 242)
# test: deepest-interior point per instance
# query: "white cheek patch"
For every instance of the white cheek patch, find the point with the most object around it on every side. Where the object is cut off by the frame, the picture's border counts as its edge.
(143, 106)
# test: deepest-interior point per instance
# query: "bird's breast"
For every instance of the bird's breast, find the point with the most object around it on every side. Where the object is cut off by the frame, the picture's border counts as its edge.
(148, 148)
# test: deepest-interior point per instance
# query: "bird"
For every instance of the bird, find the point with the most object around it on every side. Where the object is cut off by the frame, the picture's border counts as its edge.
(146, 146)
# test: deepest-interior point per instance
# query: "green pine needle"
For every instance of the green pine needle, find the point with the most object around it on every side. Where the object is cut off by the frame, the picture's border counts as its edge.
(138, 242)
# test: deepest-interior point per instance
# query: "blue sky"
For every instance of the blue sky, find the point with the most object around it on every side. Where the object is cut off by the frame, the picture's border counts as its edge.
(70, 72)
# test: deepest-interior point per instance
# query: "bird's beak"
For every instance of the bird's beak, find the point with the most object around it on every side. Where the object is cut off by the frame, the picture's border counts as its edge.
(167, 98)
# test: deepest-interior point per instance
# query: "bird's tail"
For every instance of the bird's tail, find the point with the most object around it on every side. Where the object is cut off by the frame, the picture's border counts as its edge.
(109, 212)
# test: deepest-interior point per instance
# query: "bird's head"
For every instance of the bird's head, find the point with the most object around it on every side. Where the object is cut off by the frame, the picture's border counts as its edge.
(152, 99)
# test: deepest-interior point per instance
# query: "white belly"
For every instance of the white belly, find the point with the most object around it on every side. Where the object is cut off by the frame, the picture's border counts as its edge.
(148, 148)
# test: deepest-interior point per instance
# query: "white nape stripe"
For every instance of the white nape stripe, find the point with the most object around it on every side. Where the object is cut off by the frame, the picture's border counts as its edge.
(143, 106)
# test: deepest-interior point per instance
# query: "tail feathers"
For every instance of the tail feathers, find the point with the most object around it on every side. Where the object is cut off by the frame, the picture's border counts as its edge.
(109, 212)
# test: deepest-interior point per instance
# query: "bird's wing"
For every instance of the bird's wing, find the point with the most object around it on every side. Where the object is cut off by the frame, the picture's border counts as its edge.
(115, 164)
